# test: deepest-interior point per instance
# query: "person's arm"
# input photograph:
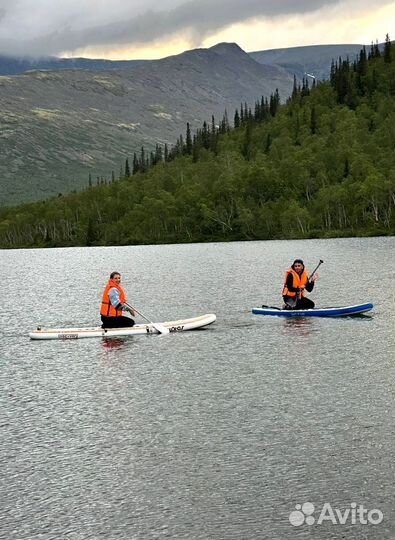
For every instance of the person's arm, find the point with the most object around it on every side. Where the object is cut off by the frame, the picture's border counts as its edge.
(115, 299)
(309, 286)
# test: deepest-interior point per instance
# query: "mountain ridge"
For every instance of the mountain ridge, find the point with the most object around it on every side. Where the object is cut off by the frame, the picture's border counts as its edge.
(315, 59)
(13, 65)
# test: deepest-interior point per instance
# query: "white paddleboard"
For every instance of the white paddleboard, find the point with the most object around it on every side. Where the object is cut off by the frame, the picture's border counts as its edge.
(138, 329)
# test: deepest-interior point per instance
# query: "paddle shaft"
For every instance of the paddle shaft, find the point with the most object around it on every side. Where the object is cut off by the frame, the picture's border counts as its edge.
(139, 312)
(315, 269)
(162, 329)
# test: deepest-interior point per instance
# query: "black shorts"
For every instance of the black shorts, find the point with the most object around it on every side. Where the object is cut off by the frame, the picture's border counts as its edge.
(116, 322)
(302, 303)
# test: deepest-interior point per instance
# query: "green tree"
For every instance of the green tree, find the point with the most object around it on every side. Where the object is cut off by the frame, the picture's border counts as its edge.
(387, 50)
(127, 169)
(188, 140)
(236, 122)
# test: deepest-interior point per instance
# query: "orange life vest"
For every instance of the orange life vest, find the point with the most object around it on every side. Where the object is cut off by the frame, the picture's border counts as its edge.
(107, 309)
(299, 281)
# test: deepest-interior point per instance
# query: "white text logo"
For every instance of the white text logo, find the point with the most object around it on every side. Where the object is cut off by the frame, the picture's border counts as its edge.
(354, 514)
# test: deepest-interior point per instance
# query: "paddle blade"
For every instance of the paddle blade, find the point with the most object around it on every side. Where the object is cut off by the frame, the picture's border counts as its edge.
(161, 329)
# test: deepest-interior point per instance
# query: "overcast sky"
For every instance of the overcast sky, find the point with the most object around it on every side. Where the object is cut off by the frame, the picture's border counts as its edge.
(153, 29)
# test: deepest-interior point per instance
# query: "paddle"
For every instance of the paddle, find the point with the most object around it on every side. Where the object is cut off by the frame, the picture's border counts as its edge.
(161, 329)
(315, 269)
(293, 301)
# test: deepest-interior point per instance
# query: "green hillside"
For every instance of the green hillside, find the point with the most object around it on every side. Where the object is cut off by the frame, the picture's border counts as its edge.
(322, 165)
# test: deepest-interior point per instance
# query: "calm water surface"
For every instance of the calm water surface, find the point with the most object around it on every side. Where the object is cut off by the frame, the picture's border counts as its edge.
(213, 434)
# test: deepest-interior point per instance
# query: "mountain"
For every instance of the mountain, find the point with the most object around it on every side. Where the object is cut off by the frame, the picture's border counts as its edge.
(314, 59)
(59, 126)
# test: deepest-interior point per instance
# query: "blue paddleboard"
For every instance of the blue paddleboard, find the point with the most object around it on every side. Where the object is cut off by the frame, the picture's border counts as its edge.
(343, 311)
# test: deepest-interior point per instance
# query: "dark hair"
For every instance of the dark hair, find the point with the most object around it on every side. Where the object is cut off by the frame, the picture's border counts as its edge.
(113, 274)
(298, 261)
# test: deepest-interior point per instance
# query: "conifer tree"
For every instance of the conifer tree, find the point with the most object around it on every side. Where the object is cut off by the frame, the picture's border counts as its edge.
(274, 102)
(236, 121)
(143, 164)
(158, 154)
(180, 145)
(305, 87)
(127, 169)
(362, 66)
(332, 76)
(213, 135)
(188, 140)
(266, 109)
(246, 115)
(205, 136)
(136, 165)
(294, 90)
(225, 123)
(213, 126)
(387, 50)
(257, 112)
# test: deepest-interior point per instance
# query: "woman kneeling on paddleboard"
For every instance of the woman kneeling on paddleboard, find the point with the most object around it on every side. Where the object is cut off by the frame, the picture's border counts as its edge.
(296, 283)
(113, 304)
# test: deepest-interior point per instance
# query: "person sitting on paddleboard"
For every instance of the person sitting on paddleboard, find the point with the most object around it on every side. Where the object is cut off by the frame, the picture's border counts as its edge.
(295, 284)
(113, 304)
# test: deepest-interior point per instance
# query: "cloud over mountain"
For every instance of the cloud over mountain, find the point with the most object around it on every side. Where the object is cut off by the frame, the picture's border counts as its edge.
(44, 27)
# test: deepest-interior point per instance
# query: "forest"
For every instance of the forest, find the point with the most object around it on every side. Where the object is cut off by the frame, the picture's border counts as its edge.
(320, 165)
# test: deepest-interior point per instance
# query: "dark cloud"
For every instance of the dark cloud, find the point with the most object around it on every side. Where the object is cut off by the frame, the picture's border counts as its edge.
(196, 18)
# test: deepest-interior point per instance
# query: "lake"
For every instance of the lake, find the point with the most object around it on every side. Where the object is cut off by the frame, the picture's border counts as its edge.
(213, 434)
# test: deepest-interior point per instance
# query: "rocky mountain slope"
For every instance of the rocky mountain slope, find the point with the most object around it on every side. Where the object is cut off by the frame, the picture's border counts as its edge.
(60, 125)
(56, 127)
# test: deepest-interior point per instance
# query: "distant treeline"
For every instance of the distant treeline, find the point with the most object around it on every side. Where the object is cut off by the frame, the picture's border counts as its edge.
(321, 165)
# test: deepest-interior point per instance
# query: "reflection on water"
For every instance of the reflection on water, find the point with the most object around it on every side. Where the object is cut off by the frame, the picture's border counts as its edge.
(300, 326)
(113, 343)
(299, 322)
(362, 316)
